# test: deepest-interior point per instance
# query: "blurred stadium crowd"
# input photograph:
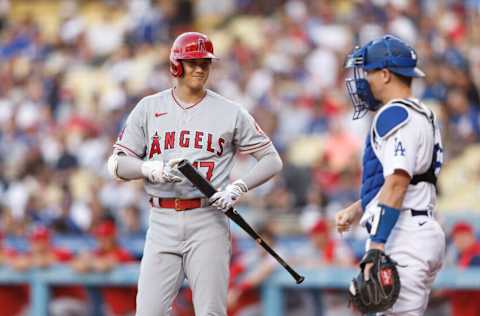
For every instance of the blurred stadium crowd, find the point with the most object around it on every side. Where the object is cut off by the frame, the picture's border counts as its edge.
(71, 71)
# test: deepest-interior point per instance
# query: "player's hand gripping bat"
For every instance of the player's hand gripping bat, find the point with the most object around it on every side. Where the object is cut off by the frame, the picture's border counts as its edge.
(206, 188)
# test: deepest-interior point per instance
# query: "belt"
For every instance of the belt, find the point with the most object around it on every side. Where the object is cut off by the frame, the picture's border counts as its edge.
(178, 204)
(420, 212)
(412, 212)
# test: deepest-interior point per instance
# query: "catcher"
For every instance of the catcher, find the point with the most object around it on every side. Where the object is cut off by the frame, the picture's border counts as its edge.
(401, 163)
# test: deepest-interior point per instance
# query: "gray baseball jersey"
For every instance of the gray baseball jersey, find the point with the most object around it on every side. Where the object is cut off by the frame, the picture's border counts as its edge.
(208, 134)
(193, 244)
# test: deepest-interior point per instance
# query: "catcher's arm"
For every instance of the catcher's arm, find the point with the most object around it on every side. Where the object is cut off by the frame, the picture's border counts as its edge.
(399, 138)
(394, 189)
(390, 200)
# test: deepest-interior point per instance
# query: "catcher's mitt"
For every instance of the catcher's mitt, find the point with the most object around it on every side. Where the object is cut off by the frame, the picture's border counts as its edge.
(382, 288)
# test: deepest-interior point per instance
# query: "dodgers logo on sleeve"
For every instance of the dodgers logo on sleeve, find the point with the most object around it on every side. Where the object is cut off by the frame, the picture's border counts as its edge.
(399, 149)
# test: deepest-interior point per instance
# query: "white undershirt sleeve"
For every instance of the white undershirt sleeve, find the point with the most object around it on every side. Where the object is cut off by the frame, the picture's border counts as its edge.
(268, 165)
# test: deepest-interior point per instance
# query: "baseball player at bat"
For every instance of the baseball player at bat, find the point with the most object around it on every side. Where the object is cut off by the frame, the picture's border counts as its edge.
(188, 235)
(401, 162)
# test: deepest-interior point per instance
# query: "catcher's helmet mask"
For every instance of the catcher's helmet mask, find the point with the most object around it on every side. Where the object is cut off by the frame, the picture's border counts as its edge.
(190, 45)
(388, 52)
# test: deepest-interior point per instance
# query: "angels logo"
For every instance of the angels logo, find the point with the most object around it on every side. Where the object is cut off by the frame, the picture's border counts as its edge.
(155, 146)
(399, 149)
(201, 45)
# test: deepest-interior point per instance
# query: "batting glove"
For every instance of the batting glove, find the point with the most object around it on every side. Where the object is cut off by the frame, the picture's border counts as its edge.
(225, 199)
(160, 172)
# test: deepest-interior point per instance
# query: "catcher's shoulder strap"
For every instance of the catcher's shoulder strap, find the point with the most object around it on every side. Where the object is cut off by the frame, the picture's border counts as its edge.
(429, 175)
(390, 119)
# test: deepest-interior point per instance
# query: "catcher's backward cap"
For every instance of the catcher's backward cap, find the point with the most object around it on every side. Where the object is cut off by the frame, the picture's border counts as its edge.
(387, 52)
(189, 45)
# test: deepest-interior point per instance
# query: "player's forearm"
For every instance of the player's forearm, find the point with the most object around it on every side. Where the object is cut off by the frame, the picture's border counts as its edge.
(394, 189)
(129, 167)
(376, 245)
(356, 208)
(390, 203)
(268, 165)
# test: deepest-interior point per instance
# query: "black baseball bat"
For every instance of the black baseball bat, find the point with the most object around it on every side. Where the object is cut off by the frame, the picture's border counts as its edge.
(208, 190)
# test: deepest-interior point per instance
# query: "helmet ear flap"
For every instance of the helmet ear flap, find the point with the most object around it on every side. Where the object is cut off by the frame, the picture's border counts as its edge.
(176, 68)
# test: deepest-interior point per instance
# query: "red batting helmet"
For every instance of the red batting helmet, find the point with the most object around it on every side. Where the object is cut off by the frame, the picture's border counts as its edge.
(189, 45)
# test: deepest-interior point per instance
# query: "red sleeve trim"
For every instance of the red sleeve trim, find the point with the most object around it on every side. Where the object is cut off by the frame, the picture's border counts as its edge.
(246, 147)
(121, 147)
(254, 148)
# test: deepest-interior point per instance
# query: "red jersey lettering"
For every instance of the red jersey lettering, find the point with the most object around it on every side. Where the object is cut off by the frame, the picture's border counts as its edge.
(198, 140)
(209, 143)
(169, 140)
(221, 141)
(184, 141)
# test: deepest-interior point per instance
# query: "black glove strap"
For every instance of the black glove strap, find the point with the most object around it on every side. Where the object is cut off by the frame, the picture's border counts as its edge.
(372, 256)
